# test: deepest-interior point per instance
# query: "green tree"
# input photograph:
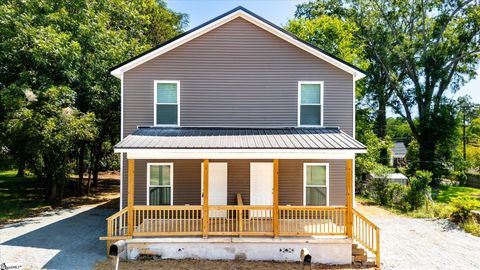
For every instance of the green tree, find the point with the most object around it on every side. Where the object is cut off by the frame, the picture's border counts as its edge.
(51, 126)
(425, 49)
(73, 44)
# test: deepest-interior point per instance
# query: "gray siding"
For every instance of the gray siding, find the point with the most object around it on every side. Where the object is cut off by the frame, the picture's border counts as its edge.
(238, 75)
(187, 181)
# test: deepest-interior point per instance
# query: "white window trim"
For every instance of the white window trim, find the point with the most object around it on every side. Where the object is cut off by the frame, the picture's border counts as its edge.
(171, 180)
(155, 102)
(300, 100)
(305, 181)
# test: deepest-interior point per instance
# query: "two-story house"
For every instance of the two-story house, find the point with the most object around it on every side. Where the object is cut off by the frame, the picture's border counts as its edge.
(239, 128)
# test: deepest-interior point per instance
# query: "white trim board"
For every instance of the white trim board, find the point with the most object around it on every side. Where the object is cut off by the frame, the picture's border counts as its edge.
(299, 102)
(223, 20)
(171, 179)
(327, 182)
(155, 102)
(212, 154)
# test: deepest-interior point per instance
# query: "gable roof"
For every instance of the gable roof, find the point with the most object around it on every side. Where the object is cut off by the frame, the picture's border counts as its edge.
(227, 17)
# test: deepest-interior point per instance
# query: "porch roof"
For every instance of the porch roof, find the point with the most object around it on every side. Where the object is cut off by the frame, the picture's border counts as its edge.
(291, 138)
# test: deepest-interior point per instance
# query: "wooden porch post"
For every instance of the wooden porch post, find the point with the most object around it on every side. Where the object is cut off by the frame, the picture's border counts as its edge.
(130, 203)
(349, 199)
(275, 198)
(205, 199)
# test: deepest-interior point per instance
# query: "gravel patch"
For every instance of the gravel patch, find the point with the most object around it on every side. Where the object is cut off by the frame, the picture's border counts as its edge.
(63, 239)
(409, 243)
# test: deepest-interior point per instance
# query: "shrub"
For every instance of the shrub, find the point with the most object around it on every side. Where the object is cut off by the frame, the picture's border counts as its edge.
(443, 210)
(472, 227)
(396, 196)
(378, 187)
(419, 190)
(463, 208)
(379, 184)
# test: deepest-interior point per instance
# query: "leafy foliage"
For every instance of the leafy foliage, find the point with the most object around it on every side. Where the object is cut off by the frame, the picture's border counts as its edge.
(419, 189)
(54, 76)
(463, 209)
(419, 50)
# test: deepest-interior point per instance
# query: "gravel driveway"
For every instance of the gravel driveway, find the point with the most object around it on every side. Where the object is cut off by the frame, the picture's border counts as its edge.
(63, 239)
(408, 243)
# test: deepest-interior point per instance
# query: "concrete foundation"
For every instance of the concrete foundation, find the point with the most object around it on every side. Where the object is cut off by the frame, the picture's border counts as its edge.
(326, 250)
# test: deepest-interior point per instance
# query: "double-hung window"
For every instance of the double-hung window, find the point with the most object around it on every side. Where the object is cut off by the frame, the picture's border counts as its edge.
(310, 103)
(160, 182)
(316, 184)
(166, 103)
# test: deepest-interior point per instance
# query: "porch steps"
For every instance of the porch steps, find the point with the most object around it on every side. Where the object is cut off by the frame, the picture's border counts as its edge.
(360, 256)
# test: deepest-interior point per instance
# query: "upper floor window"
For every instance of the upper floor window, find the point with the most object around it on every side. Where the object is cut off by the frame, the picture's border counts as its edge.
(310, 103)
(166, 103)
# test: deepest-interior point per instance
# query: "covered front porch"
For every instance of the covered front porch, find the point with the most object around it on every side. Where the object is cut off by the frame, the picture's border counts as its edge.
(311, 216)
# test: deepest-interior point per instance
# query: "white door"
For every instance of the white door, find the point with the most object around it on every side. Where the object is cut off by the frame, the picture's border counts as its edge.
(217, 186)
(261, 185)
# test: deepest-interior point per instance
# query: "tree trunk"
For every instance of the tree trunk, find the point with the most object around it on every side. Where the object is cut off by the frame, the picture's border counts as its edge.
(427, 155)
(381, 119)
(381, 125)
(81, 167)
(21, 169)
(96, 164)
(51, 190)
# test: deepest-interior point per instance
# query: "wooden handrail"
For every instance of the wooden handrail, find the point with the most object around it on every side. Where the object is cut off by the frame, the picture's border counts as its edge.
(367, 234)
(289, 207)
(239, 199)
(365, 218)
(117, 214)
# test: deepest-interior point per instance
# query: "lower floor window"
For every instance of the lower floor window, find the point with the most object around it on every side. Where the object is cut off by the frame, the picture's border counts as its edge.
(316, 184)
(160, 176)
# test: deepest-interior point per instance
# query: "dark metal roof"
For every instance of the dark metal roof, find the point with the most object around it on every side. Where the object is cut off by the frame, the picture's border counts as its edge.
(239, 138)
(252, 14)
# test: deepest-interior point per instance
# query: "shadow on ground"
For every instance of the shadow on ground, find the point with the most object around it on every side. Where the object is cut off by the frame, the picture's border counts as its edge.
(75, 239)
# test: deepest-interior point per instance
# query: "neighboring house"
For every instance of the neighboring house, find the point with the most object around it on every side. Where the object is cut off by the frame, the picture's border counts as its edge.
(238, 128)
(399, 151)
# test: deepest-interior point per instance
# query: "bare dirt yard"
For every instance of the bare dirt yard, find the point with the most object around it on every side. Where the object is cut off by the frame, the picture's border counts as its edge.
(215, 265)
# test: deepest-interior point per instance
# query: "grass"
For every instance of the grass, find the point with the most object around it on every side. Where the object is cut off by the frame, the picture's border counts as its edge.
(446, 201)
(23, 197)
(20, 196)
(448, 193)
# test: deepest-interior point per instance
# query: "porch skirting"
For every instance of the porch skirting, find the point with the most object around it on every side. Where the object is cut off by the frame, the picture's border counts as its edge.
(324, 249)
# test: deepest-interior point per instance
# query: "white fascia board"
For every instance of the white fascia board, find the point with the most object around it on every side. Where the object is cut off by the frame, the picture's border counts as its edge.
(240, 13)
(237, 154)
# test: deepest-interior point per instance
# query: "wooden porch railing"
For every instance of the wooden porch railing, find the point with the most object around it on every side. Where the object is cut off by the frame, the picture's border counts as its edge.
(232, 220)
(244, 220)
(311, 220)
(367, 234)
(167, 220)
(117, 224)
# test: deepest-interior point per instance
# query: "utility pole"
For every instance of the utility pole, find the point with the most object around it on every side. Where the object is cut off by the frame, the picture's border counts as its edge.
(464, 135)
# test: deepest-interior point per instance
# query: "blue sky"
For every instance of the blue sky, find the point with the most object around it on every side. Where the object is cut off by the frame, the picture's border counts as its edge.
(276, 11)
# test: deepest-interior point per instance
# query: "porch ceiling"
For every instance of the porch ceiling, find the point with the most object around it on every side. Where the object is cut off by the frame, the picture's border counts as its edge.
(289, 138)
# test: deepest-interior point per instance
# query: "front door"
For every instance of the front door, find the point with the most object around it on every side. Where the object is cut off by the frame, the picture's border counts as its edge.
(217, 186)
(261, 185)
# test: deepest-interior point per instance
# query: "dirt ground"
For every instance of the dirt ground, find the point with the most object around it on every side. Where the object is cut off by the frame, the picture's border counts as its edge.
(216, 265)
